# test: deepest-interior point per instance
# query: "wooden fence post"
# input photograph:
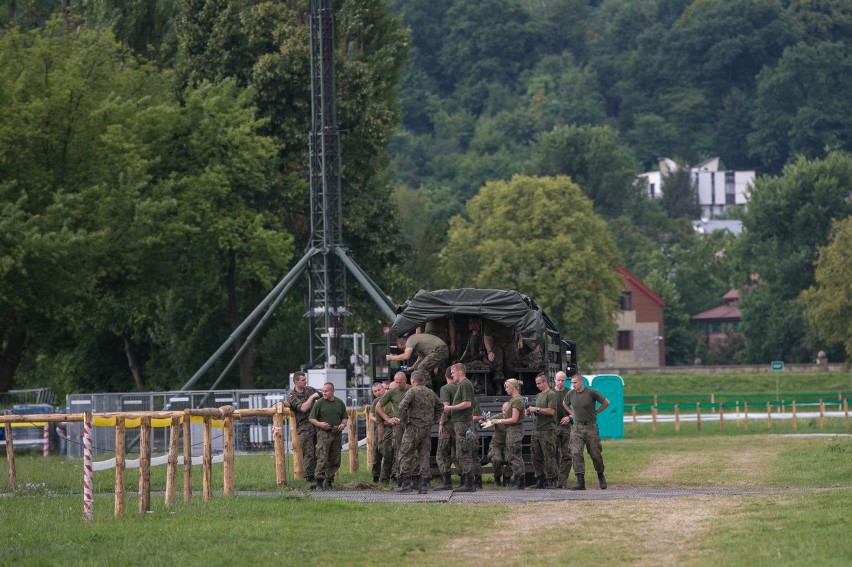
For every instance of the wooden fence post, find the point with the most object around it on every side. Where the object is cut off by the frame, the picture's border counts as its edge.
(795, 417)
(207, 461)
(846, 413)
(145, 465)
(654, 419)
(278, 444)
(677, 418)
(745, 415)
(10, 457)
(298, 470)
(698, 415)
(352, 426)
(187, 456)
(171, 465)
(821, 415)
(721, 416)
(634, 418)
(120, 465)
(768, 415)
(228, 457)
(370, 439)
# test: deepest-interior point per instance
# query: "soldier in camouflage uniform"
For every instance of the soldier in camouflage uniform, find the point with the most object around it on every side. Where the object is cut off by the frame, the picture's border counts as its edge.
(513, 421)
(328, 416)
(563, 432)
(497, 452)
(581, 406)
(301, 400)
(543, 442)
(392, 398)
(418, 410)
(432, 354)
(461, 418)
(378, 389)
(444, 454)
(501, 345)
(389, 470)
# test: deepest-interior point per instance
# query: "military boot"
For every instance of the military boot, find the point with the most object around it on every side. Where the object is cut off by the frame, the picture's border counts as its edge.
(328, 483)
(539, 482)
(551, 482)
(602, 480)
(477, 481)
(318, 485)
(466, 484)
(519, 482)
(404, 484)
(448, 482)
(424, 485)
(312, 482)
(498, 478)
(581, 482)
(506, 480)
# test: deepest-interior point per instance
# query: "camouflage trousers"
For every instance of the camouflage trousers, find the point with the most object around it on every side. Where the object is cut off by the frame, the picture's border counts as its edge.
(388, 453)
(446, 449)
(497, 450)
(505, 359)
(563, 452)
(514, 442)
(465, 435)
(414, 451)
(376, 454)
(307, 442)
(328, 453)
(435, 359)
(586, 435)
(543, 447)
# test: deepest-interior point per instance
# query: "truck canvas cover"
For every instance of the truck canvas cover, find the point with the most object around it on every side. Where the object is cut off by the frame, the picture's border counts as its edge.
(509, 308)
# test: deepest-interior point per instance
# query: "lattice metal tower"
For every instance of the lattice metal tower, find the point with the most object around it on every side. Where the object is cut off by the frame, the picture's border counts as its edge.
(327, 285)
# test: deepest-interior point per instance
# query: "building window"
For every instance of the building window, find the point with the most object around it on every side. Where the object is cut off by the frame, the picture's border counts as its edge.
(653, 189)
(625, 340)
(730, 189)
(627, 301)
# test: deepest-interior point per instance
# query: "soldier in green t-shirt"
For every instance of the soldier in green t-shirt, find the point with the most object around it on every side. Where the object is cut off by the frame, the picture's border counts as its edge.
(391, 400)
(513, 421)
(543, 442)
(563, 432)
(580, 403)
(378, 425)
(444, 454)
(328, 417)
(461, 419)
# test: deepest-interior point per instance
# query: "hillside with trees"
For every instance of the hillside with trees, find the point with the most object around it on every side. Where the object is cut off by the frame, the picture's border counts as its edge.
(153, 170)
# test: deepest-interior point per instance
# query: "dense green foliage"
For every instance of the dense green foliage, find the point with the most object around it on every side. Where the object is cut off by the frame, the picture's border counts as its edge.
(154, 170)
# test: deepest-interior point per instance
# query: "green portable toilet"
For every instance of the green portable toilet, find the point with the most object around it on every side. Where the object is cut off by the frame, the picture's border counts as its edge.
(611, 420)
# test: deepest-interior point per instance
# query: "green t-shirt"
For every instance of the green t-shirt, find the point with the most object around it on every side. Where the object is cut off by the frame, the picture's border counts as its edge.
(424, 343)
(464, 393)
(547, 399)
(332, 412)
(560, 409)
(447, 392)
(393, 397)
(518, 403)
(379, 419)
(583, 404)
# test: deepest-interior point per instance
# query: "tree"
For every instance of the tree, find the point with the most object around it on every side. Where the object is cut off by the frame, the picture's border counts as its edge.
(798, 110)
(595, 159)
(828, 303)
(679, 197)
(540, 236)
(788, 219)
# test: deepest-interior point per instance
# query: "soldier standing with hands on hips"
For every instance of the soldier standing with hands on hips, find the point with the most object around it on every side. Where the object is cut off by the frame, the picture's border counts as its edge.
(580, 403)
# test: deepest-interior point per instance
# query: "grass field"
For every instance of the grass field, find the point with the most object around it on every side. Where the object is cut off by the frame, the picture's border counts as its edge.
(43, 525)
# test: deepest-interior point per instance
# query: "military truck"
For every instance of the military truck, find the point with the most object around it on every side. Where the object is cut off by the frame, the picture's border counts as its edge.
(509, 308)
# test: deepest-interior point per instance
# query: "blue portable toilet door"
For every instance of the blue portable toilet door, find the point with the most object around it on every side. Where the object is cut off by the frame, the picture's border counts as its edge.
(611, 420)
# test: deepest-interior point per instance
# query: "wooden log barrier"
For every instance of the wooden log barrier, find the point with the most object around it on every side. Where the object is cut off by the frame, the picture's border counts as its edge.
(228, 457)
(171, 466)
(187, 457)
(207, 461)
(298, 470)
(145, 465)
(10, 457)
(278, 445)
(370, 438)
(120, 465)
(352, 428)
